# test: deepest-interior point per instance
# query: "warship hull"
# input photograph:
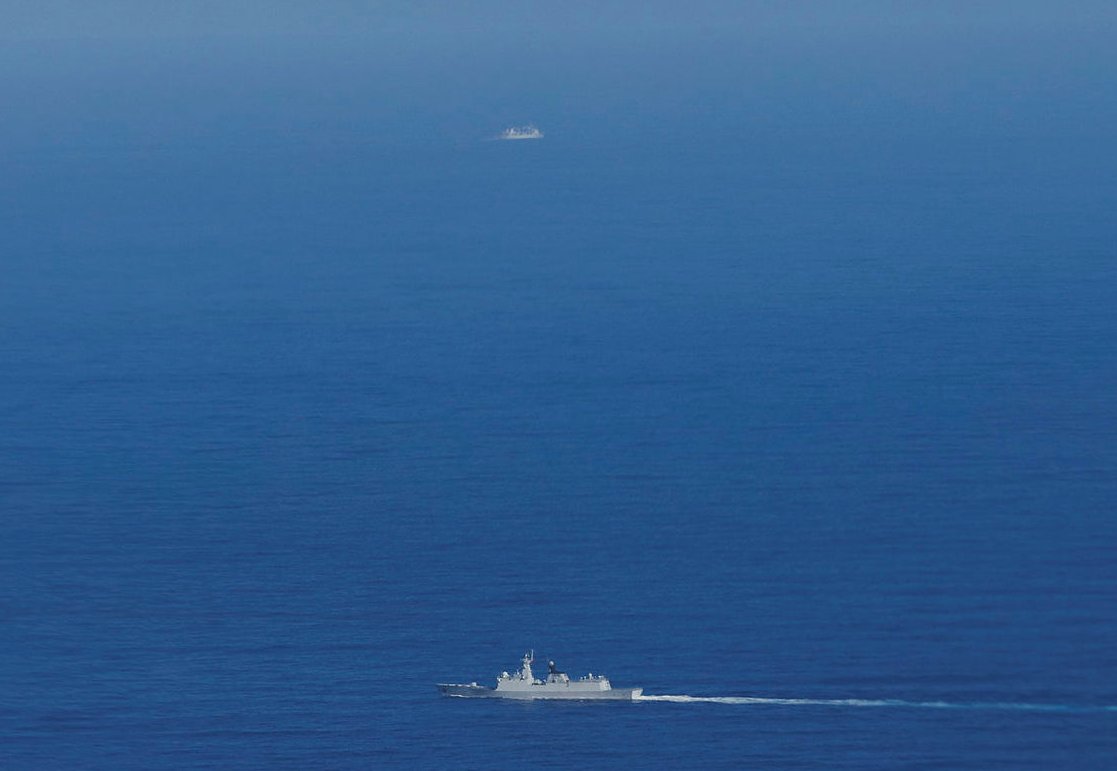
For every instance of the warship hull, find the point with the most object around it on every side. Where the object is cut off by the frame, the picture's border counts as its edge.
(540, 692)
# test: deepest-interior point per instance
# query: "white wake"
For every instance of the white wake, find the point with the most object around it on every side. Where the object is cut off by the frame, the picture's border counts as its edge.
(1025, 706)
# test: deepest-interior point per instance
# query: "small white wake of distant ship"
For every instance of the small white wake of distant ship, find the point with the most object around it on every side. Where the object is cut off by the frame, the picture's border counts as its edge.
(521, 132)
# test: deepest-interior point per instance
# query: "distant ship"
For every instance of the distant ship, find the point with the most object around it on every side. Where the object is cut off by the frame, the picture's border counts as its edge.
(524, 685)
(521, 132)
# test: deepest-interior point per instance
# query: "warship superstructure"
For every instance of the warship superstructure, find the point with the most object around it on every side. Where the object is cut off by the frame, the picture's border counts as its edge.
(524, 685)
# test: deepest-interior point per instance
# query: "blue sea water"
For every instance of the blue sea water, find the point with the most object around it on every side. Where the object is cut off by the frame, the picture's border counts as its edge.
(808, 415)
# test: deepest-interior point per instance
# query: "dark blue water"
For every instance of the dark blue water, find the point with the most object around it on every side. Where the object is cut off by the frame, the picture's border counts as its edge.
(810, 406)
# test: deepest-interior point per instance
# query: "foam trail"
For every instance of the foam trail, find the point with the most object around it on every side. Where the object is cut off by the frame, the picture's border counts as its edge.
(1019, 706)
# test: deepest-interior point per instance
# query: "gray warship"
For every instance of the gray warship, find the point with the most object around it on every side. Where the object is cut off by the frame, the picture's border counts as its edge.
(524, 685)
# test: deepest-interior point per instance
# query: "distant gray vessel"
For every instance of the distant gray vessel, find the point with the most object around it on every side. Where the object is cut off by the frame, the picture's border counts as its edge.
(521, 132)
(524, 685)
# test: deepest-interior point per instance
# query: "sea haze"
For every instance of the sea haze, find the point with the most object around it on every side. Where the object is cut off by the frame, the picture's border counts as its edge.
(777, 379)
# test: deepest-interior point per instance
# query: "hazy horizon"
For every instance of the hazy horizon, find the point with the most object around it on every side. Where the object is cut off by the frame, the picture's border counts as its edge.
(137, 76)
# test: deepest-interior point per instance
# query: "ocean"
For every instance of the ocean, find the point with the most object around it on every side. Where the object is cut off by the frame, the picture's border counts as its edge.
(793, 406)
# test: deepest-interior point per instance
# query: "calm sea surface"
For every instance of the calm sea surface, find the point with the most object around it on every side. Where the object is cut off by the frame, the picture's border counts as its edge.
(292, 430)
